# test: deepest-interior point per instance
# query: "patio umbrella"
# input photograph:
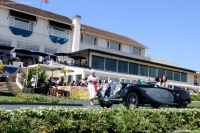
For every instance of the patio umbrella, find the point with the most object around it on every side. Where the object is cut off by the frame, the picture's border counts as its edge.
(5, 47)
(62, 54)
(39, 53)
(23, 51)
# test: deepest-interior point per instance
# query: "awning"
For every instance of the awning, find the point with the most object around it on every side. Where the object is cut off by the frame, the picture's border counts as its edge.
(23, 15)
(60, 25)
(46, 67)
(5, 47)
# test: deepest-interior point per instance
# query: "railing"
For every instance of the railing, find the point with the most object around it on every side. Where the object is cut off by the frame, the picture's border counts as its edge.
(19, 80)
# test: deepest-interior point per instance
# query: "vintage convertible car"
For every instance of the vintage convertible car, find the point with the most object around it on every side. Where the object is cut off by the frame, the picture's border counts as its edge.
(140, 94)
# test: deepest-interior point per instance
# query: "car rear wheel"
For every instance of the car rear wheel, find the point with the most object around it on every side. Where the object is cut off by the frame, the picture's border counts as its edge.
(105, 104)
(153, 105)
(132, 98)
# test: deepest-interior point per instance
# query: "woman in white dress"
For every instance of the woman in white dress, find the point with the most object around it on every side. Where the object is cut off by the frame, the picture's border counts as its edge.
(91, 80)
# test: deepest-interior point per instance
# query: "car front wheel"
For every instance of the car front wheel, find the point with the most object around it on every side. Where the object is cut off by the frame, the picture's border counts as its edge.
(132, 98)
(105, 104)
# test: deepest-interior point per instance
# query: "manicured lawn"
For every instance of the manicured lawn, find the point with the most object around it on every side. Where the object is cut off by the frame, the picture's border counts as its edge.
(194, 104)
(10, 98)
(33, 98)
(195, 131)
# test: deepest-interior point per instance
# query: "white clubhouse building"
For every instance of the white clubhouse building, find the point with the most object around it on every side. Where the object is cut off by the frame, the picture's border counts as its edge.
(109, 54)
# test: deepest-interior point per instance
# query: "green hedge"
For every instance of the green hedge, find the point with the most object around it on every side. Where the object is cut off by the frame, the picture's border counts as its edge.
(195, 97)
(98, 120)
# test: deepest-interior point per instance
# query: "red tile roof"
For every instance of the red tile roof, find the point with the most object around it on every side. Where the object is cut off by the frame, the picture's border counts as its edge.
(35, 11)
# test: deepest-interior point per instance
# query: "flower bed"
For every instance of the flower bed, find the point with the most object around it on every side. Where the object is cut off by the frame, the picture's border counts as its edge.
(100, 120)
(80, 96)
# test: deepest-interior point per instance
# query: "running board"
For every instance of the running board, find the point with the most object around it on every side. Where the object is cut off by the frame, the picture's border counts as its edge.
(111, 99)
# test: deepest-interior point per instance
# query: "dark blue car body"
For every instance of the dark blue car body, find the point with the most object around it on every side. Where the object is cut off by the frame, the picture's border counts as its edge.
(140, 94)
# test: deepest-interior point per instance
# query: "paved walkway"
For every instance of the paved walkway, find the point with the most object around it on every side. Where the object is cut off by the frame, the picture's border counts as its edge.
(85, 104)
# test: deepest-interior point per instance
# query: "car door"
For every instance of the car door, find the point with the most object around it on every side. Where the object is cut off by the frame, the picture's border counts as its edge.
(162, 95)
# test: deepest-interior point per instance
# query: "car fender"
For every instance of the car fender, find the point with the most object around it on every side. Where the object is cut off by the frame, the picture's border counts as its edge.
(99, 92)
(128, 89)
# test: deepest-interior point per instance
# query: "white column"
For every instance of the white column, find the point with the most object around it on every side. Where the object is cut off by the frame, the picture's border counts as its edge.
(76, 33)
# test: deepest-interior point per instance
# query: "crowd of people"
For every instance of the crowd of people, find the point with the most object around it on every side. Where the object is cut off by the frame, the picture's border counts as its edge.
(28, 60)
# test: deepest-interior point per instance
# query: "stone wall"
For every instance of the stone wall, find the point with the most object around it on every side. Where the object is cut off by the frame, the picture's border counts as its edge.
(74, 89)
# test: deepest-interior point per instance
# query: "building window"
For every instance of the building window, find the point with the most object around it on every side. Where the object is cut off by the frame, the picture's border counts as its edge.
(113, 45)
(5, 42)
(88, 39)
(176, 76)
(21, 23)
(69, 78)
(111, 65)
(161, 72)
(143, 70)
(98, 62)
(122, 67)
(28, 46)
(136, 51)
(133, 68)
(54, 31)
(153, 71)
(169, 74)
(183, 77)
(50, 50)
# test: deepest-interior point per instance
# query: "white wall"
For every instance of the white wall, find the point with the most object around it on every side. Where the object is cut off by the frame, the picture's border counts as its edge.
(190, 78)
(102, 43)
(40, 35)
(126, 48)
(76, 33)
(89, 46)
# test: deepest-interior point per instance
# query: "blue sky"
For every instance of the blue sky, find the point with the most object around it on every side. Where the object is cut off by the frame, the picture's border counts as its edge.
(170, 28)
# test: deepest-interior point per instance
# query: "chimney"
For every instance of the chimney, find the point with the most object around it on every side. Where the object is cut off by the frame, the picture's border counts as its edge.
(76, 33)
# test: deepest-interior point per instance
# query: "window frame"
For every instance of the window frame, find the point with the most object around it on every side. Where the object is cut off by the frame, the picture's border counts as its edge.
(115, 65)
(140, 72)
(119, 61)
(109, 45)
(6, 42)
(28, 46)
(83, 37)
(138, 68)
(50, 49)
(179, 76)
(139, 49)
(51, 31)
(100, 64)
(12, 20)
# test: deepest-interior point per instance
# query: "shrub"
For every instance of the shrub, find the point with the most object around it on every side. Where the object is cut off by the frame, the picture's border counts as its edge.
(6, 94)
(41, 76)
(98, 120)
(37, 98)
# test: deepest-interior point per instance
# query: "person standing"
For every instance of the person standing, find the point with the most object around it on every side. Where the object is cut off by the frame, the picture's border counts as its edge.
(92, 81)
(33, 83)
